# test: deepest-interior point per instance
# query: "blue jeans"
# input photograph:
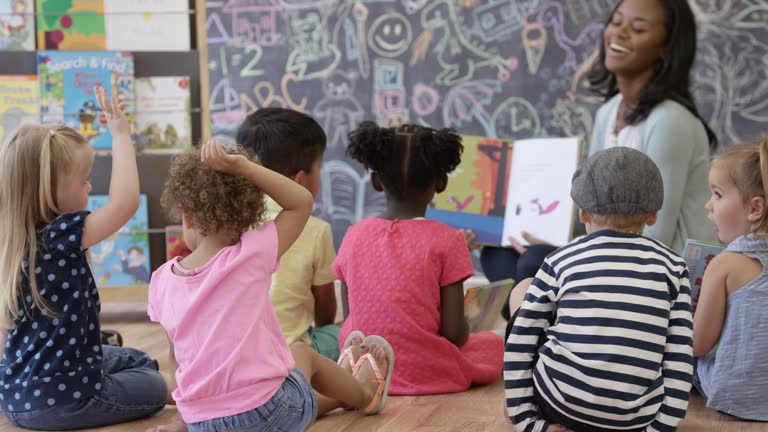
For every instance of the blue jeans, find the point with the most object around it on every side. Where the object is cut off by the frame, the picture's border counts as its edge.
(131, 388)
(504, 263)
(292, 408)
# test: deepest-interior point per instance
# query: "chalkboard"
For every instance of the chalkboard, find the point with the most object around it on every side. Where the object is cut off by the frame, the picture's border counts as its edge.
(498, 68)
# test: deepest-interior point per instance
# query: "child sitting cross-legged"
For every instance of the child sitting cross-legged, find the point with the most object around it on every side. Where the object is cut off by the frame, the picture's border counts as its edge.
(729, 329)
(601, 339)
(232, 367)
(404, 274)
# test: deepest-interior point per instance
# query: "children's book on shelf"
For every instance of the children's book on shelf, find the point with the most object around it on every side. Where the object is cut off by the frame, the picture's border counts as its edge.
(71, 25)
(697, 255)
(174, 242)
(163, 121)
(147, 25)
(67, 83)
(19, 102)
(503, 187)
(17, 25)
(483, 304)
(123, 258)
(116, 25)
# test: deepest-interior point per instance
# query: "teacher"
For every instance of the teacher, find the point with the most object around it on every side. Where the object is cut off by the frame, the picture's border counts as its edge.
(643, 74)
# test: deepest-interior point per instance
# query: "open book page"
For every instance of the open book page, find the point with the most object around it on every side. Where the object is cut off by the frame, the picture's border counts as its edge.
(539, 192)
(477, 189)
(483, 304)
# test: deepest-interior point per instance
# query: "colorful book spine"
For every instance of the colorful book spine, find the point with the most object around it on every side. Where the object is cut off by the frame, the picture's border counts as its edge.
(67, 83)
(19, 102)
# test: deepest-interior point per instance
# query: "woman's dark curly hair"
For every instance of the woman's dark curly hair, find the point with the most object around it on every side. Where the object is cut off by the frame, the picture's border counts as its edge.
(215, 201)
(409, 158)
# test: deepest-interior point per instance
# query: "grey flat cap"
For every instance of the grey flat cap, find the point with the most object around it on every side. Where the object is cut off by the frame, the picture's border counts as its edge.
(618, 180)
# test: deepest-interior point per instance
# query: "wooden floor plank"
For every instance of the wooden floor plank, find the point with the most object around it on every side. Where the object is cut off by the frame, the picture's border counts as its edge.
(477, 410)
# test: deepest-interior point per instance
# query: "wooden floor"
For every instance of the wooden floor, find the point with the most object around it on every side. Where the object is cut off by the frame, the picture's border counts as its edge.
(478, 410)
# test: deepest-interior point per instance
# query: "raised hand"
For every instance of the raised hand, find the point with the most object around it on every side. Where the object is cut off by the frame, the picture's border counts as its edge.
(213, 155)
(114, 110)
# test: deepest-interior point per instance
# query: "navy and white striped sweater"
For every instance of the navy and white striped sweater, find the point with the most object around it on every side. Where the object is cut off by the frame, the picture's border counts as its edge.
(605, 335)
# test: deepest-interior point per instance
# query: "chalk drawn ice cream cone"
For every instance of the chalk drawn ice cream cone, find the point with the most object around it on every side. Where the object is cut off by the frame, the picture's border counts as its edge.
(534, 43)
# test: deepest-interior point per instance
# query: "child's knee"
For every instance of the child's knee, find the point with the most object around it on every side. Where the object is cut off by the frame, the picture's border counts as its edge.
(301, 351)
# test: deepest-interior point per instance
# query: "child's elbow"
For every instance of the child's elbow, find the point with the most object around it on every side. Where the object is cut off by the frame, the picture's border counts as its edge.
(456, 336)
(700, 348)
(306, 202)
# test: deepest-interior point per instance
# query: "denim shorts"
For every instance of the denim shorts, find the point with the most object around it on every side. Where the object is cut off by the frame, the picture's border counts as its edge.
(131, 388)
(292, 408)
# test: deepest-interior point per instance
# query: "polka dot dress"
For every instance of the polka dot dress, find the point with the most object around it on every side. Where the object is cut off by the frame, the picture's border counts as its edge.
(53, 356)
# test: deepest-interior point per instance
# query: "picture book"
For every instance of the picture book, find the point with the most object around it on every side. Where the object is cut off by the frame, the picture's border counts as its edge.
(174, 243)
(163, 120)
(17, 25)
(147, 25)
(539, 191)
(484, 184)
(19, 102)
(71, 25)
(67, 83)
(483, 304)
(698, 255)
(476, 196)
(123, 258)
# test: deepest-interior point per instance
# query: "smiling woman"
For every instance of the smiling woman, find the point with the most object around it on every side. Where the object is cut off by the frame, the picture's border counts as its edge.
(643, 73)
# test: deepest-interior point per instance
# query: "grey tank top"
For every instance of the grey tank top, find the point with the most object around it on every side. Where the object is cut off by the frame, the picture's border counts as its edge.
(734, 375)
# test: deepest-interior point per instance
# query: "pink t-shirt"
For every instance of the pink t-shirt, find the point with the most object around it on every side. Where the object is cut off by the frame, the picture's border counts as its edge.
(232, 356)
(394, 270)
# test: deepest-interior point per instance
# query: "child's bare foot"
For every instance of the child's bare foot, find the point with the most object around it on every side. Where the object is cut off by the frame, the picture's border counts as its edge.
(366, 375)
(347, 362)
(177, 426)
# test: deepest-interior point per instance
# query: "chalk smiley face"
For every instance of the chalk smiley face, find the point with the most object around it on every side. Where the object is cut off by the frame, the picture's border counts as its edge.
(390, 35)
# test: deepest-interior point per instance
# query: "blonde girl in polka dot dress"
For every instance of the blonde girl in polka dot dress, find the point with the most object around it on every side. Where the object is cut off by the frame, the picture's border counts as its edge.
(55, 374)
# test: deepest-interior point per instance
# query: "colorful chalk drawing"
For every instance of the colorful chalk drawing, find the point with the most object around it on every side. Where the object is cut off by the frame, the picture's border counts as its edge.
(512, 69)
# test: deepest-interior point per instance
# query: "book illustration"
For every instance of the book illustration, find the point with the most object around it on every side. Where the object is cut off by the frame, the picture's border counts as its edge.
(174, 242)
(545, 209)
(483, 304)
(347, 195)
(19, 103)
(67, 83)
(123, 258)
(539, 187)
(697, 256)
(70, 25)
(147, 25)
(163, 120)
(477, 190)
(17, 25)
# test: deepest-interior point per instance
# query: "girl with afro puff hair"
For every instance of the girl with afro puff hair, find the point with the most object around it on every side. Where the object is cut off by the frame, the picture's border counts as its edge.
(403, 275)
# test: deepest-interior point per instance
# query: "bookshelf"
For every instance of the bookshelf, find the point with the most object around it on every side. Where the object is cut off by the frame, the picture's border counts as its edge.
(153, 168)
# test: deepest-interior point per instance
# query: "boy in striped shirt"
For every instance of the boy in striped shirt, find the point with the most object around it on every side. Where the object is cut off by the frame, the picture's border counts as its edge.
(601, 340)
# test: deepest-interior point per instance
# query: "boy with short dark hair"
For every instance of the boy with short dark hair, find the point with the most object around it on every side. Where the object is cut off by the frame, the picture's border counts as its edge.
(292, 143)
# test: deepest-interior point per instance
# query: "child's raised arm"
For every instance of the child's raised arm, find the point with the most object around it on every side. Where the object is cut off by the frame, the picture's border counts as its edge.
(124, 183)
(295, 199)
